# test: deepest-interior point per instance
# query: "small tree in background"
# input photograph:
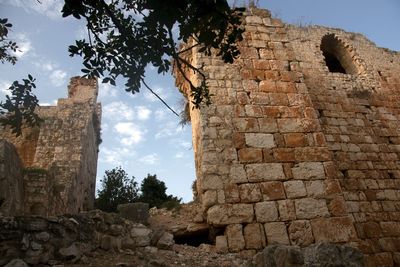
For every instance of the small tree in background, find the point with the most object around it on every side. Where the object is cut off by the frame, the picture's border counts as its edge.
(117, 189)
(153, 191)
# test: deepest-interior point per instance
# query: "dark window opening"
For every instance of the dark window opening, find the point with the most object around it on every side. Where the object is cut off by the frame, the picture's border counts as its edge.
(333, 63)
(337, 58)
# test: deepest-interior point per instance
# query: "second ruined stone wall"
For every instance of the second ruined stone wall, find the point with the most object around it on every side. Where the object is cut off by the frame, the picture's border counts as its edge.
(63, 151)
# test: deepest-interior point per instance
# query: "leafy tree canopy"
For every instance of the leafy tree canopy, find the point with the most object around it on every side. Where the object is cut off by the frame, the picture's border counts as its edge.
(153, 191)
(20, 106)
(127, 35)
(117, 189)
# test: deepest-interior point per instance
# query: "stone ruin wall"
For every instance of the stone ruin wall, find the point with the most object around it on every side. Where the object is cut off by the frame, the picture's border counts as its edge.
(292, 153)
(59, 158)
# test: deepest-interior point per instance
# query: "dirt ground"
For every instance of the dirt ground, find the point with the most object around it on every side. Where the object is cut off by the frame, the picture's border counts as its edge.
(180, 255)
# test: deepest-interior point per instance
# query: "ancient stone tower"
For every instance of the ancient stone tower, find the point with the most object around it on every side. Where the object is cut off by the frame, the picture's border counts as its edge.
(51, 169)
(301, 143)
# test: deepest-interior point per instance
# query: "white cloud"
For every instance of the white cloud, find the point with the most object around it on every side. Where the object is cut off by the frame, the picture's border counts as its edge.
(131, 134)
(44, 65)
(168, 129)
(118, 111)
(24, 45)
(160, 114)
(115, 156)
(106, 91)
(150, 159)
(49, 8)
(58, 77)
(143, 113)
(4, 85)
(52, 103)
(179, 155)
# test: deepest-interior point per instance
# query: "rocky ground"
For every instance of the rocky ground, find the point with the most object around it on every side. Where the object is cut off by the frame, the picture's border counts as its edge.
(180, 255)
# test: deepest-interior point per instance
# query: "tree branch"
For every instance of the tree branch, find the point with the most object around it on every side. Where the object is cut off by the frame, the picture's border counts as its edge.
(156, 95)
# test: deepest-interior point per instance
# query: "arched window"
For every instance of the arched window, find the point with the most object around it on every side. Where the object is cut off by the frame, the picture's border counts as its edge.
(337, 57)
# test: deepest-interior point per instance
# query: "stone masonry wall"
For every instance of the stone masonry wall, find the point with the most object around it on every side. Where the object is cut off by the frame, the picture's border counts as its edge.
(360, 116)
(62, 152)
(11, 184)
(290, 153)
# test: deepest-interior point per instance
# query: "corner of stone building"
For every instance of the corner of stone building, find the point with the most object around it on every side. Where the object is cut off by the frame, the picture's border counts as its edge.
(83, 89)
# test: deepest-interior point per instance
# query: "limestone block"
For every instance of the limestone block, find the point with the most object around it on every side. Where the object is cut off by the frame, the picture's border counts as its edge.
(276, 233)
(250, 155)
(268, 125)
(253, 234)
(316, 188)
(246, 124)
(234, 234)
(237, 174)
(300, 233)
(209, 198)
(141, 235)
(272, 190)
(308, 208)
(254, 20)
(334, 229)
(166, 241)
(250, 193)
(265, 172)
(232, 193)
(308, 171)
(286, 210)
(211, 182)
(221, 244)
(337, 206)
(295, 189)
(261, 140)
(220, 215)
(290, 125)
(266, 211)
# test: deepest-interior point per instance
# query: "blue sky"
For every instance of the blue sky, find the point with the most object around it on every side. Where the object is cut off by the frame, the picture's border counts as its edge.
(138, 132)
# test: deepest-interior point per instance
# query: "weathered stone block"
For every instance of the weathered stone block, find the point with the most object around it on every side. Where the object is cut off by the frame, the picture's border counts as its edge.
(209, 198)
(316, 188)
(253, 235)
(308, 171)
(265, 172)
(266, 211)
(308, 208)
(260, 140)
(234, 234)
(335, 229)
(221, 244)
(237, 174)
(276, 233)
(286, 210)
(250, 193)
(295, 189)
(268, 125)
(300, 233)
(211, 182)
(232, 193)
(220, 215)
(250, 155)
(272, 190)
